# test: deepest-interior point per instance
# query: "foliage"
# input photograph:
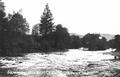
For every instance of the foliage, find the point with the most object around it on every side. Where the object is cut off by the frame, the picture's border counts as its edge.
(17, 23)
(45, 36)
(75, 42)
(115, 43)
(13, 38)
(94, 42)
(3, 27)
(46, 25)
(61, 37)
(36, 30)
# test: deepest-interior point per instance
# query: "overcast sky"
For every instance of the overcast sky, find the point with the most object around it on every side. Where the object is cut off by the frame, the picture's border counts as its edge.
(79, 16)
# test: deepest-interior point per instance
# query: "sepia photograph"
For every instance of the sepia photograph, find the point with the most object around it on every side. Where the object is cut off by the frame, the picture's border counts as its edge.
(59, 38)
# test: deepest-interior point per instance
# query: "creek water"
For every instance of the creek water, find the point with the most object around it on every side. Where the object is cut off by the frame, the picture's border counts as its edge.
(72, 63)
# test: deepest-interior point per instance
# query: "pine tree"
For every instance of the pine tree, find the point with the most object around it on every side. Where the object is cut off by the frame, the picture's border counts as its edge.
(46, 25)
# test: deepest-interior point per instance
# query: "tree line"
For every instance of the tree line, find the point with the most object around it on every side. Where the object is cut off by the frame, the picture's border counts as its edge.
(45, 37)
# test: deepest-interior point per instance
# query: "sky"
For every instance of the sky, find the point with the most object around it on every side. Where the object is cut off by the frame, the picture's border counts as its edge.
(79, 16)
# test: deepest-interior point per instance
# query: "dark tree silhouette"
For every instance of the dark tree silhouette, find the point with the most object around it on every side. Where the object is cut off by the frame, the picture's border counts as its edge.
(3, 27)
(46, 25)
(94, 42)
(36, 30)
(45, 36)
(3, 19)
(18, 23)
(115, 43)
(2, 7)
(13, 29)
(75, 41)
(62, 37)
(111, 43)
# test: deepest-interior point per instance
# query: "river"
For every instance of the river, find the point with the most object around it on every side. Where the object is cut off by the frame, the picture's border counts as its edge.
(73, 63)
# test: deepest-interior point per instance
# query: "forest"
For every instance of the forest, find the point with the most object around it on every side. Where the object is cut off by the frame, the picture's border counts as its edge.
(45, 37)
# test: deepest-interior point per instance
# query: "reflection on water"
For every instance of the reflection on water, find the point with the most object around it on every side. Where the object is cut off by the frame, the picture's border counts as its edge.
(74, 63)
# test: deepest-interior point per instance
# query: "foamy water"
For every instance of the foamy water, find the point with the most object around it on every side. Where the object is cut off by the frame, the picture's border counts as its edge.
(73, 63)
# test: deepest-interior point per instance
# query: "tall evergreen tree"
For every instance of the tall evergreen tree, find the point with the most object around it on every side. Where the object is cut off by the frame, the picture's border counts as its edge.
(46, 25)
